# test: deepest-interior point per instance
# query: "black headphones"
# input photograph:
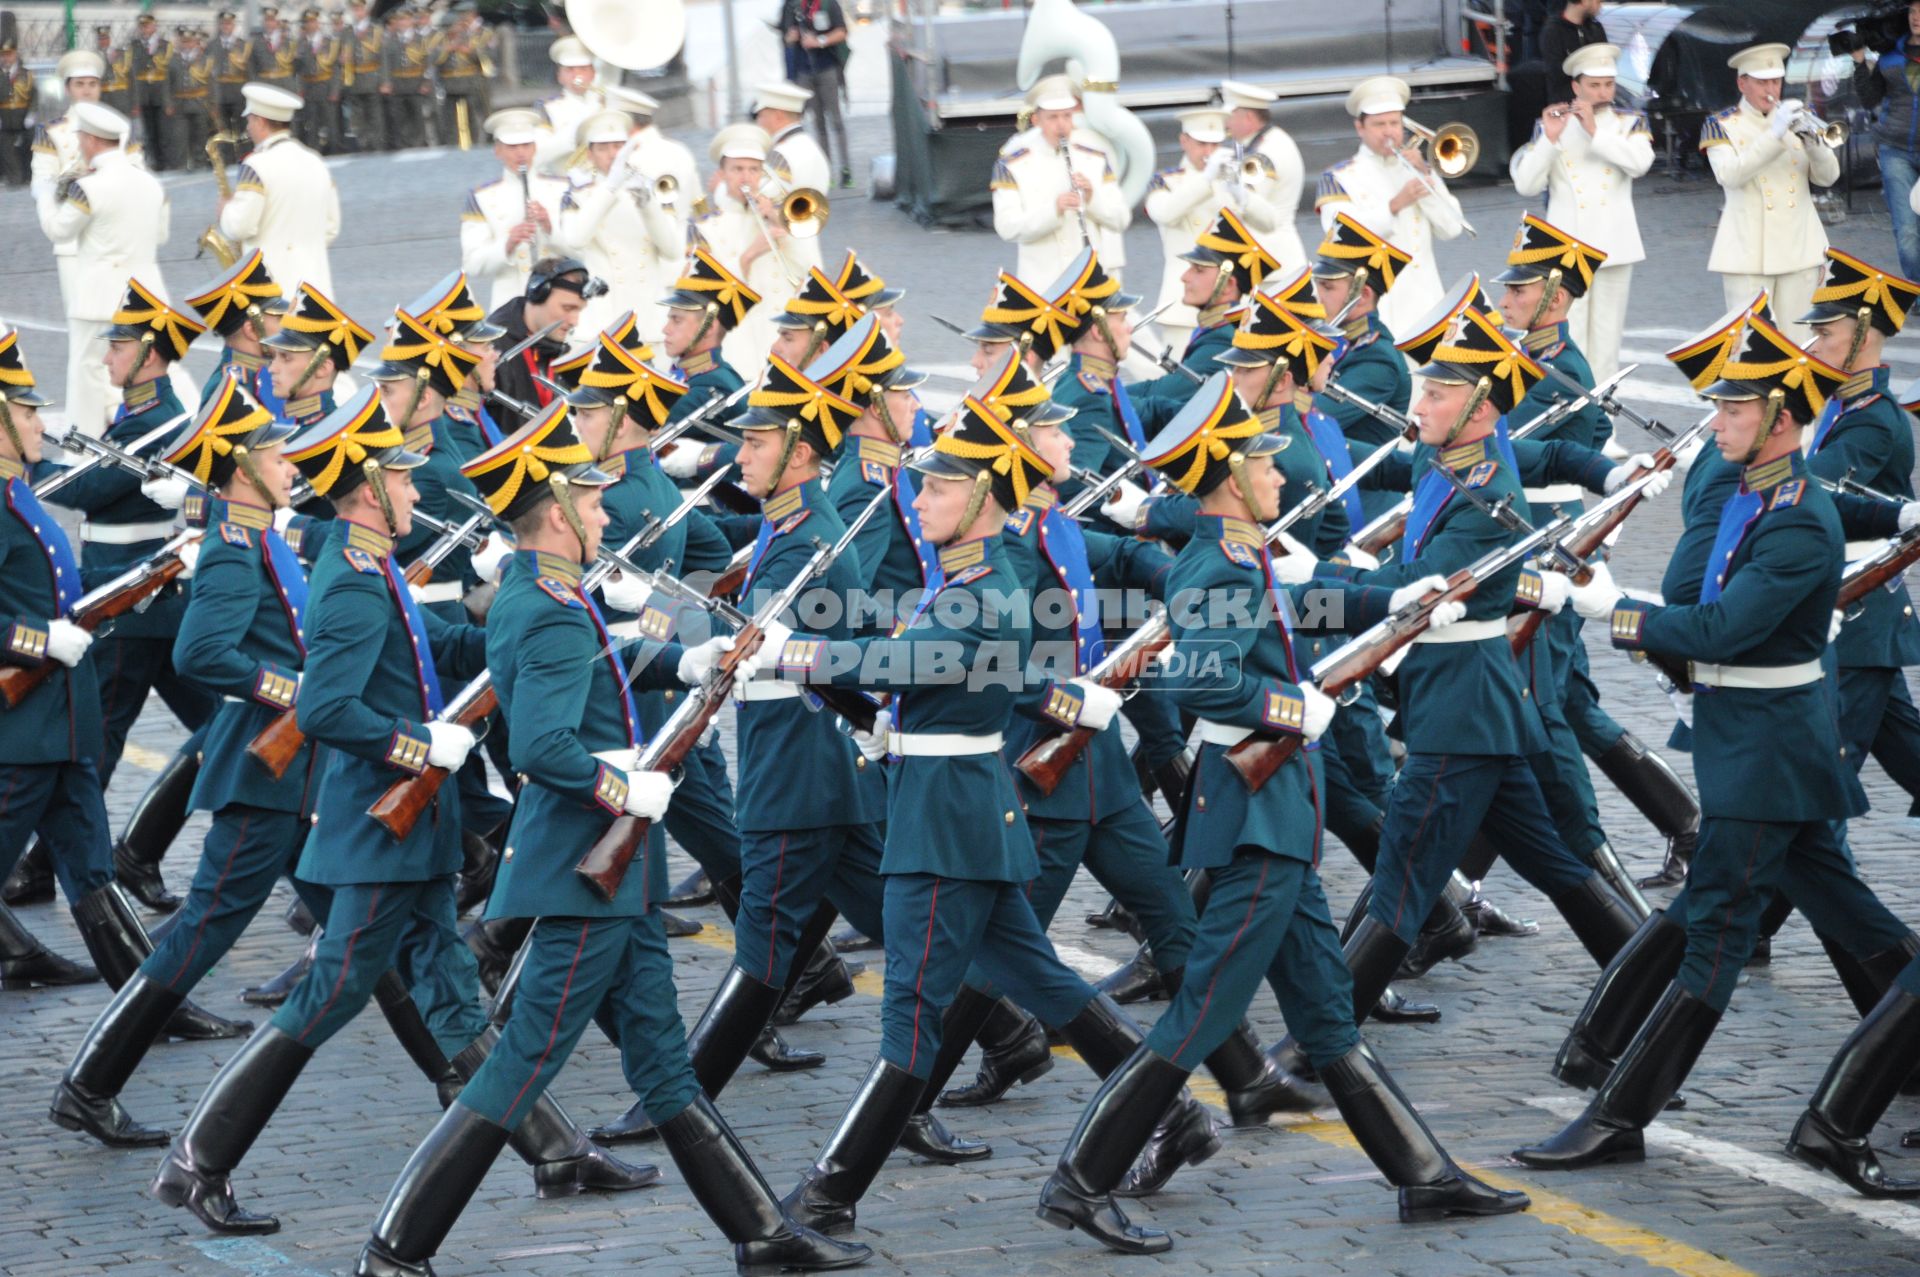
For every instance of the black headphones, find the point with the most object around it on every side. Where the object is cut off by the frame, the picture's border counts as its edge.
(541, 283)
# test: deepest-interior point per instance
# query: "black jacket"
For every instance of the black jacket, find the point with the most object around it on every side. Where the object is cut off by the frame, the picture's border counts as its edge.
(1558, 39)
(516, 376)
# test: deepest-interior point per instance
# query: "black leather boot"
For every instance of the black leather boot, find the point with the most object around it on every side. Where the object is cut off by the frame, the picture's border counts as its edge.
(730, 1188)
(32, 881)
(493, 942)
(1598, 917)
(1112, 1131)
(827, 1195)
(1172, 777)
(1399, 1143)
(1606, 863)
(1446, 935)
(236, 1107)
(1644, 779)
(118, 945)
(87, 1097)
(1620, 1002)
(1654, 1066)
(926, 1135)
(1140, 980)
(825, 978)
(1115, 918)
(25, 963)
(1395, 1007)
(410, 1030)
(1256, 1087)
(156, 821)
(433, 1189)
(1013, 1051)
(690, 892)
(1862, 1080)
(1373, 954)
(678, 928)
(1102, 1035)
(280, 987)
(1490, 920)
(770, 1051)
(479, 864)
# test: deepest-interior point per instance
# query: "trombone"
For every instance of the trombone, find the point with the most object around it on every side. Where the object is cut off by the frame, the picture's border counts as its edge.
(802, 214)
(1452, 150)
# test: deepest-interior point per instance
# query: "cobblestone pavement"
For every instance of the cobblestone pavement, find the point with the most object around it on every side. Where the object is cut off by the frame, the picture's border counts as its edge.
(1716, 1197)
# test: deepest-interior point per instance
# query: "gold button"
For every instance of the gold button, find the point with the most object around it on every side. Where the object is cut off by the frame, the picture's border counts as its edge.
(1009, 818)
(1201, 802)
(669, 695)
(860, 762)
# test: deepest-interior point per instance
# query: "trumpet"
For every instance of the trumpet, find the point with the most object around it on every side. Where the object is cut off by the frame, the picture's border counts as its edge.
(1808, 125)
(213, 239)
(1453, 148)
(664, 190)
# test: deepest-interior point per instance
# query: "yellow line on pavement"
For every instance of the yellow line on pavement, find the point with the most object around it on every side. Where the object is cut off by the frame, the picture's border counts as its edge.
(1552, 1208)
(147, 760)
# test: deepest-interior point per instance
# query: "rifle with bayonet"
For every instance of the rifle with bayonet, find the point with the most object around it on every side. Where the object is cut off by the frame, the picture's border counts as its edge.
(100, 452)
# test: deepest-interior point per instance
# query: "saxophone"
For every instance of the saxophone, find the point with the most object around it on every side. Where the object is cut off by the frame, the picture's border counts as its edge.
(213, 239)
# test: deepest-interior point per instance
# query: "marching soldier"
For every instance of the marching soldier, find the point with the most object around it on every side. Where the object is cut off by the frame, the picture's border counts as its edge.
(1353, 275)
(361, 57)
(1267, 917)
(1767, 160)
(1389, 188)
(1774, 780)
(656, 155)
(1054, 190)
(243, 308)
(509, 223)
(317, 64)
(53, 736)
(284, 200)
(403, 78)
(17, 94)
(587, 957)
(242, 636)
(1270, 202)
(706, 303)
(115, 216)
(232, 56)
(1586, 156)
(271, 54)
(617, 225)
(315, 343)
(464, 67)
(190, 94)
(1182, 201)
(579, 97)
(116, 90)
(151, 53)
(795, 158)
(745, 231)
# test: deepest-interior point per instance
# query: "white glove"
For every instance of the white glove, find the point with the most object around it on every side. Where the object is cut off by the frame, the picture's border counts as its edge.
(283, 518)
(451, 745)
(1781, 121)
(1125, 502)
(1555, 589)
(1219, 165)
(1296, 566)
(1318, 713)
(1910, 512)
(1596, 599)
(648, 794)
(1098, 705)
(873, 744)
(167, 490)
(1625, 470)
(697, 662)
(189, 559)
(623, 593)
(1359, 558)
(67, 642)
(1835, 625)
(1445, 614)
(491, 555)
(1414, 591)
(683, 462)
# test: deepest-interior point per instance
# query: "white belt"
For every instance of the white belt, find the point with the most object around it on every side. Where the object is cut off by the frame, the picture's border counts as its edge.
(124, 533)
(771, 689)
(941, 744)
(1857, 550)
(1555, 494)
(1212, 733)
(1759, 677)
(440, 592)
(1466, 632)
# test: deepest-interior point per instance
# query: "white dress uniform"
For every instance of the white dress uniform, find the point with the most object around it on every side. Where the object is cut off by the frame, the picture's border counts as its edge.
(1589, 186)
(1363, 187)
(563, 114)
(797, 160)
(1182, 202)
(629, 242)
(1027, 180)
(657, 155)
(285, 204)
(115, 218)
(1270, 205)
(1769, 234)
(492, 212)
(56, 150)
(727, 231)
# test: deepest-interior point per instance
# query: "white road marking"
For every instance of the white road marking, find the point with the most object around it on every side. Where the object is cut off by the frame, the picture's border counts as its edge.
(414, 157)
(1776, 1171)
(1087, 964)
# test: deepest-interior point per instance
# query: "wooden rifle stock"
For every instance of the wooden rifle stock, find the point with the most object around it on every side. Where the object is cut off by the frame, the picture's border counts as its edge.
(1874, 572)
(16, 681)
(1046, 763)
(405, 801)
(1387, 532)
(277, 744)
(419, 572)
(1257, 758)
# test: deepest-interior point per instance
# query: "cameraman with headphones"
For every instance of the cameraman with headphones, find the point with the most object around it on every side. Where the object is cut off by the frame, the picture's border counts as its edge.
(1885, 62)
(557, 291)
